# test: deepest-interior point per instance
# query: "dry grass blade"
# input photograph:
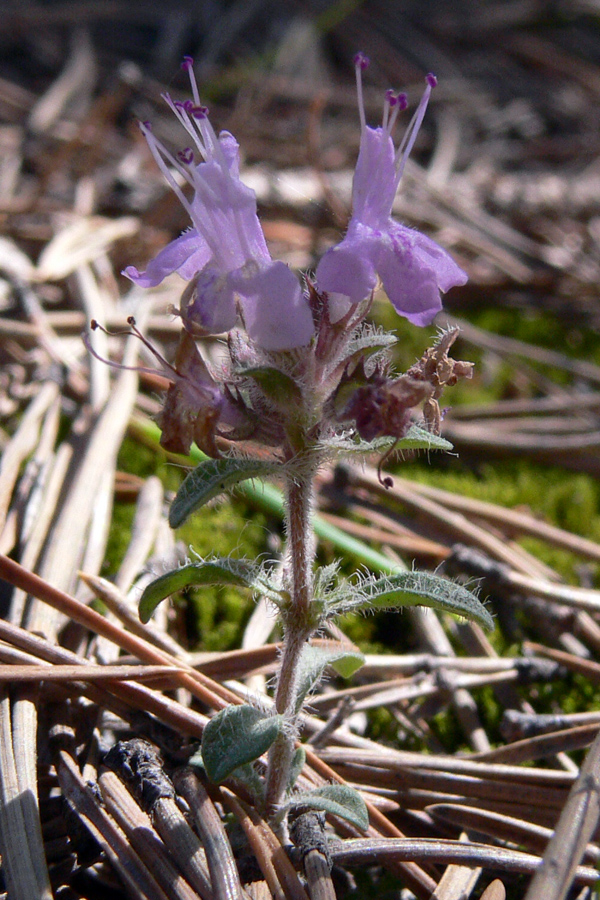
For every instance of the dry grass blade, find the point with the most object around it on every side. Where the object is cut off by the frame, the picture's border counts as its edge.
(36, 674)
(22, 846)
(494, 891)
(224, 877)
(140, 883)
(183, 845)
(259, 846)
(457, 882)
(510, 518)
(143, 838)
(505, 828)
(360, 852)
(577, 823)
(22, 443)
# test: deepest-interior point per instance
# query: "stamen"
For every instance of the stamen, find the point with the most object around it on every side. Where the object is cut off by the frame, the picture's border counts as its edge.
(412, 131)
(188, 65)
(361, 62)
(388, 102)
(186, 156)
(159, 151)
(182, 111)
(398, 107)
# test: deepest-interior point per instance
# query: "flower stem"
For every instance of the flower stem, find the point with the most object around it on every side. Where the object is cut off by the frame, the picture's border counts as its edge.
(299, 625)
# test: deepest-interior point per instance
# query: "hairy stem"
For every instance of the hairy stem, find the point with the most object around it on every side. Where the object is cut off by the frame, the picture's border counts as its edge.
(299, 625)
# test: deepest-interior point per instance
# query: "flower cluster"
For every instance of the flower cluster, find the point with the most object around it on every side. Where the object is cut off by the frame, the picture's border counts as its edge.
(224, 255)
(290, 336)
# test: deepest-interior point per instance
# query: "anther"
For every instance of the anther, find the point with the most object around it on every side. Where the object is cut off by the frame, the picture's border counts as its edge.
(431, 80)
(187, 63)
(361, 61)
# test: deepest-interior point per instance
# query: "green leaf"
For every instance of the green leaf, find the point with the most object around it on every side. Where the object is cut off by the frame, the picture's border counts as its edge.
(417, 438)
(211, 478)
(282, 389)
(415, 589)
(238, 572)
(315, 659)
(236, 736)
(338, 799)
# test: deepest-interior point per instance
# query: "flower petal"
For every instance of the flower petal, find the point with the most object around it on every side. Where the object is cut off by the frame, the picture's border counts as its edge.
(208, 303)
(411, 287)
(348, 268)
(186, 255)
(276, 312)
(374, 185)
(447, 273)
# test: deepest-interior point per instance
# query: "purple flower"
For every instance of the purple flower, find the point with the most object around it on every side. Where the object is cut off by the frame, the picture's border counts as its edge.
(224, 255)
(412, 267)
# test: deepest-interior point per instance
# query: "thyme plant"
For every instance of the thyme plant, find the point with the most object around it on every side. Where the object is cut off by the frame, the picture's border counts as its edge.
(306, 381)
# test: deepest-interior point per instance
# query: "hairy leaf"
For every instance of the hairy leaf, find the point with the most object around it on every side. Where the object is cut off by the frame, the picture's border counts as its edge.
(211, 478)
(240, 572)
(416, 438)
(315, 659)
(414, 589)
(338, 799)
(236, 736)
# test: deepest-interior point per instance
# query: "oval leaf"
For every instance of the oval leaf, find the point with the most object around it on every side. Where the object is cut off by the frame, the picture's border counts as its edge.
(419, 589)
(315, 659)
(337, 799)
(235, 736)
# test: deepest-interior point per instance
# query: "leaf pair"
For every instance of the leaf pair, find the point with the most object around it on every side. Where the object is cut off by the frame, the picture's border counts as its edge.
(238, 735)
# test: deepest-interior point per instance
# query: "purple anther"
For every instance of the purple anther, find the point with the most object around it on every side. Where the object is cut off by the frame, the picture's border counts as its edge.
(188, 106)
(187, 63)
(178, 104)
(146, 125)
(361, 61)
(390, 97)
(186, 156)
(402, 101)
(199, 112)
(431, 80)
